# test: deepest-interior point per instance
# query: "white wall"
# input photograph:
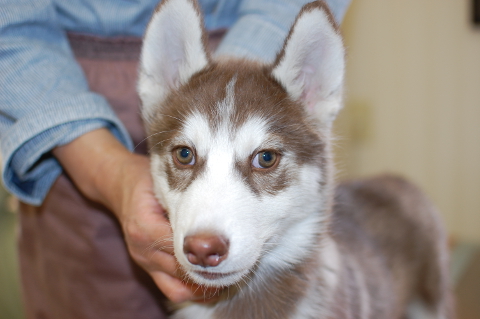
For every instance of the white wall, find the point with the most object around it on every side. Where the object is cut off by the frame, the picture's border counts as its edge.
(413, 101)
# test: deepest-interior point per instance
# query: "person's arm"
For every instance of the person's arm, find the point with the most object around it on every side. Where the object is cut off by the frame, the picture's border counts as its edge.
(44, 98)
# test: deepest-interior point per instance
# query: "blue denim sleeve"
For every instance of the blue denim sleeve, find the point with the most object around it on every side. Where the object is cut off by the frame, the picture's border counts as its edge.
(44, 98)
(262, 26)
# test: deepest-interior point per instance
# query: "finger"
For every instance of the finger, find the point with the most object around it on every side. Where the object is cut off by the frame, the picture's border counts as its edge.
(172, 287)
(160, 261)
(153, 229)
(173, 269)
(160, 235)
(145, 236)
(178, 291)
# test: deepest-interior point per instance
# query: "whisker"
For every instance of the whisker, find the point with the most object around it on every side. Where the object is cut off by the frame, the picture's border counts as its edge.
(173, 117)
(149, 137)
(150, 150)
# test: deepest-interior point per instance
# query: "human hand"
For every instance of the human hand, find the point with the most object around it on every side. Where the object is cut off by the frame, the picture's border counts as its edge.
(148, 233)
(107, 173)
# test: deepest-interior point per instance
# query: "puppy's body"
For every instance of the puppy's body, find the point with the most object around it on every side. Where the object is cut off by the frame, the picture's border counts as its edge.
(241, 162)
(393, 246)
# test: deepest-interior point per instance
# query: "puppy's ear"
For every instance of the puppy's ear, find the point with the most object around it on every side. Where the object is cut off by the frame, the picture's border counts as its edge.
(311, 64)
(174, 48)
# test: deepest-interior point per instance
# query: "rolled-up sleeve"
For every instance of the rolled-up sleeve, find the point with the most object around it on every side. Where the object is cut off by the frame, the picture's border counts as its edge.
(262, 25)
(44, 98)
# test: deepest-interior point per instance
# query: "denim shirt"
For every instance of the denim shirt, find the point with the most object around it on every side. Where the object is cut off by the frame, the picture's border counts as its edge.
(44, 97)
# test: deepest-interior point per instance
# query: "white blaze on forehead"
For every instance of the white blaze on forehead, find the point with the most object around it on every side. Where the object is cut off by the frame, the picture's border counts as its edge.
(200, 131)
(226, 106)
(225, 139)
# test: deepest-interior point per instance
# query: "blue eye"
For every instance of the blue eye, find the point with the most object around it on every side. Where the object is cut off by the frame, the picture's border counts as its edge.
(264, 159)
(185, 152)
(267, 157)
(184, 156)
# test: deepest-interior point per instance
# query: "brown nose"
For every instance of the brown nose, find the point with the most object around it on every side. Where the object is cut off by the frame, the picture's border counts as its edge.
(205, 249)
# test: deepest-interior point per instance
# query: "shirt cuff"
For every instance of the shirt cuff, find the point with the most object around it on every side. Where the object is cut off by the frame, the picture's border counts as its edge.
(29, 168)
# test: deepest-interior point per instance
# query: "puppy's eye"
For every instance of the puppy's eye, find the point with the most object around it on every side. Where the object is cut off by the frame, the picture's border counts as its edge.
(265, 159)
(184, 156)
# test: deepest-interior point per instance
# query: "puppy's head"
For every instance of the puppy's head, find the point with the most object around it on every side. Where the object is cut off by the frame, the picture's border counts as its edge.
(239, 149)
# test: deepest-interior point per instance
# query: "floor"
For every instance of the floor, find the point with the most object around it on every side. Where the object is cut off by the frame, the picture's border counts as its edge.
(465, 273)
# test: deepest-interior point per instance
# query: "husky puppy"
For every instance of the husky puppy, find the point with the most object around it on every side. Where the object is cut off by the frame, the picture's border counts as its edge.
(241, 162)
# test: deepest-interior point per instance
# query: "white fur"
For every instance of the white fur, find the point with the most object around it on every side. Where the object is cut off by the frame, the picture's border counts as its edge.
(192, 310)
(312, 68)
(299, 230)
(363, 294)
(418, 310)
(315, 304)
(225, 107)
(172, 52)
(330, 259)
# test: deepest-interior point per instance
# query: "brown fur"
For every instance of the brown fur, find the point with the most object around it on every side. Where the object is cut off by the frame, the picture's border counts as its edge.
(181, 178)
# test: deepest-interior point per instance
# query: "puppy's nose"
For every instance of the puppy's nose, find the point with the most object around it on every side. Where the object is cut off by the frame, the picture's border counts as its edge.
(205, 249)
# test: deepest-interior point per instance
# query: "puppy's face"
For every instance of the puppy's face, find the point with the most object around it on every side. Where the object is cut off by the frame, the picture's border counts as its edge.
(239, 149)
(236, 164)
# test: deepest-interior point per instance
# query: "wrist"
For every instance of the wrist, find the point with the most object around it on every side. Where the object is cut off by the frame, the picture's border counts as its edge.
(95, 162)
(117, 178)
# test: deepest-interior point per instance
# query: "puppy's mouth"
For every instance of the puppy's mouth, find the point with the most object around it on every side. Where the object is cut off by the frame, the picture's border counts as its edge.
(213, 275)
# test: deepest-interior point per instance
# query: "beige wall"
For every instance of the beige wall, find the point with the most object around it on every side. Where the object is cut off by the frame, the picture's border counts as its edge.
(413, 101)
